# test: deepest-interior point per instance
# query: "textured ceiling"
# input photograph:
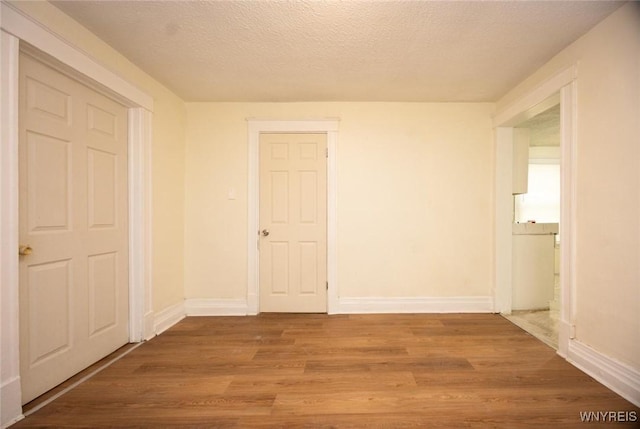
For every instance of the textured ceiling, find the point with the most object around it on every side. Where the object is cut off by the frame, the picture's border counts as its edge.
(338, 51)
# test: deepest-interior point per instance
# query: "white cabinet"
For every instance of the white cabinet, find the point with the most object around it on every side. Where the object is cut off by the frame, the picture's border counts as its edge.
(533, 265)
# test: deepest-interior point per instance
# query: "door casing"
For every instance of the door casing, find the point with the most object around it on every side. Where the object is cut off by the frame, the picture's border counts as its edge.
(564, 83)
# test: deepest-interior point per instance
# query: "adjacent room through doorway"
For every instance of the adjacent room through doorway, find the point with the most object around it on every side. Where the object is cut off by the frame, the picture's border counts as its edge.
(536, 223)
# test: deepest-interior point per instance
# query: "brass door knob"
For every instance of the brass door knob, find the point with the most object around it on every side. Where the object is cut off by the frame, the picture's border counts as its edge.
(24, 250)
(265, 232)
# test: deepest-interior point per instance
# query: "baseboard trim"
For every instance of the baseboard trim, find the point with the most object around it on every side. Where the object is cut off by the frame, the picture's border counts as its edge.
(619, 377)
(11, 403)
(216, 307)
(168, 317)
(456, 304)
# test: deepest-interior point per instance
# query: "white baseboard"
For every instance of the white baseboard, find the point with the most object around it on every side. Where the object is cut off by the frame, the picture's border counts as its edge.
(168, 317)
(216, 307)
(354, 305)
(10, 402)
(454, 304)
(617, 376)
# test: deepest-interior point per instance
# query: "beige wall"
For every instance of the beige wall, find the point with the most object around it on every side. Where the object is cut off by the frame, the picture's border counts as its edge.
(169, 122)
(414, 197)
(169, 127)
(608, 181)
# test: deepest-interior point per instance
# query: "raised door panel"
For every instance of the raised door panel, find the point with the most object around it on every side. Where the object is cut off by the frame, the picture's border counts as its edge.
(47, 102)
(309, 269)
(308, 201)
(101, 121)
(103, 292)
(278, 195)
(48, 295)
(103, 189)
(278, 283)
(48, 175)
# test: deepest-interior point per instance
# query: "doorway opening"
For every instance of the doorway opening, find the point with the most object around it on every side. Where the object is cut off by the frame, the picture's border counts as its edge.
(559, 93)
(536, 224)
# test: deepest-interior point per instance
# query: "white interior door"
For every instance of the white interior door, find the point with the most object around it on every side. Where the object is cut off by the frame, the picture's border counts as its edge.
(293, 223)
(73, 215)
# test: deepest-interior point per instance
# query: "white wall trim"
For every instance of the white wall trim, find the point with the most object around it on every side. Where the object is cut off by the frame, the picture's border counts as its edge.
(10, 410)
(168, 317)
(255, 127)
(568, 213)
(621, 378)
(25, 27)
(455, 304)
(216, 307)
(10, 391)
(17, 27)
(140, 224)
(516, 111)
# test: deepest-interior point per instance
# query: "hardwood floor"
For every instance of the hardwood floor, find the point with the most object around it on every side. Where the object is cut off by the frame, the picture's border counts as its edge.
(372, 371)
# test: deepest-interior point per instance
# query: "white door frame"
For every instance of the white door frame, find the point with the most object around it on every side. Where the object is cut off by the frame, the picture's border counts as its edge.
(18, 28)
(257, 126)
(564, 83)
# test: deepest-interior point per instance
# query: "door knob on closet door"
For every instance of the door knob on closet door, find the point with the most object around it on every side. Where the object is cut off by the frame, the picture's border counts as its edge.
(265, 232)
(24, 250)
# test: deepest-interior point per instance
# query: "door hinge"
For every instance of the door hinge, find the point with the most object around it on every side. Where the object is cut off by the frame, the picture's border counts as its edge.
(327, 285)
(326, 152)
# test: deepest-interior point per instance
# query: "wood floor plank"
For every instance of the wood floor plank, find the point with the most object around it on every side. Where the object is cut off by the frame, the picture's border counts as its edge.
(323, 382)
(375, 402)
(319, 371)
(524, 379)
